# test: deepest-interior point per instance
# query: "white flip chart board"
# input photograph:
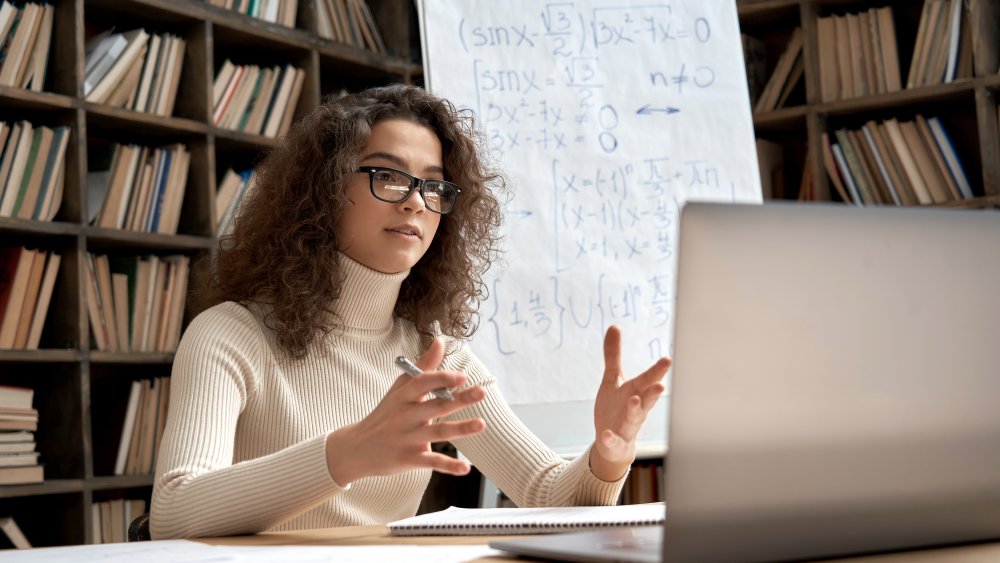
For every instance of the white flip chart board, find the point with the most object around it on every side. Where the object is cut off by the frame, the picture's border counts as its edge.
(606, 116)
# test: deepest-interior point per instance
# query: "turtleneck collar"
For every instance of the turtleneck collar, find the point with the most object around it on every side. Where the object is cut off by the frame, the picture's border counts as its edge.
(367, 299)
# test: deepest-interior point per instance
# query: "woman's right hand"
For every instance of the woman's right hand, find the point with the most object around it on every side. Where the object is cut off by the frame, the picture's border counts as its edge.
(397, 435)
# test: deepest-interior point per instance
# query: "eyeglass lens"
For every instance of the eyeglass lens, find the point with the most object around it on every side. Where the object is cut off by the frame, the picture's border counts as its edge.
(393, 187)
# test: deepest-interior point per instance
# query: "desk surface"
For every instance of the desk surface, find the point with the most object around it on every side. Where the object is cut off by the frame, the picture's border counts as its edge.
(379, 535)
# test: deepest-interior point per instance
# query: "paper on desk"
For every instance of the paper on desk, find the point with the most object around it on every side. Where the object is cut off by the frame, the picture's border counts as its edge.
(185, 551)
(365, 554)
(455, 521)
(173, 551)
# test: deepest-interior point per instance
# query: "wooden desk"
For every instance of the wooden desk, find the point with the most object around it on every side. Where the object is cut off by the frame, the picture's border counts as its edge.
(379, 535)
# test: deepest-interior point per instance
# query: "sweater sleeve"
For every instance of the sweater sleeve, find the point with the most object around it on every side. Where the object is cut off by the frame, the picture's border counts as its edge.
(198, 490)
(511, 456)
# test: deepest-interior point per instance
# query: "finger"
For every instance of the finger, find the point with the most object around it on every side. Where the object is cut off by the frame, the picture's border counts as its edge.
(440, 408)
(651, 376)
(634, 417)
(445, 464)
(444, 431)
(652, 394)
(432, 357)
(612, 354)
(420, 386)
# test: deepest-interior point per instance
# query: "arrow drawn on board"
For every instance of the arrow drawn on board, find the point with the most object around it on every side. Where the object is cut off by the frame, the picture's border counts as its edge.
(524, 214)
(647, 110)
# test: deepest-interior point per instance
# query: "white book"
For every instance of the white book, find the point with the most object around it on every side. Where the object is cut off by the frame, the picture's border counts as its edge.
(18, 459)
(130, 414)
(222, 81)
(18, 45)
(152, 55)
(44, 298)
(168, 91)
(280, 103)
(954, 34)
(18, 436)
(16, 447)
(18, 164)
(229, 187)
(7, 13)
(100, 90)
(95, 48)
(18, 398)
(883, 171)
(14, 533)
(95, 523)
(40, 54)
(105, 54)
(845, 173)
(159, 74)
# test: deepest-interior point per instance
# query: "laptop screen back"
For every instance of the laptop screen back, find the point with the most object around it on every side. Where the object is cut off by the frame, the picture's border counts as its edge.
(836, 385)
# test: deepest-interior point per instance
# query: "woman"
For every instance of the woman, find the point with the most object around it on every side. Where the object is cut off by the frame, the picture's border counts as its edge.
(364, 238)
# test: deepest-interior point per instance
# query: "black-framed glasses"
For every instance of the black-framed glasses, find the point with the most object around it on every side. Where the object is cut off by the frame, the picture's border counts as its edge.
(394, 186)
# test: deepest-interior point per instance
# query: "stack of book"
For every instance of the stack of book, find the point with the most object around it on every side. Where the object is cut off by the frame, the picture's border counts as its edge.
(145, 417)
(27, 278)
(858, 54)
(227, 198)
(151, 80)
(896, 163)
(350, 22)
(31, 170)
(256, 100)
(136, 304)
(111, 519)
(786, 75)
(134, 70)
(138, 188)
(943, 51)
(18, 422)
(25, 36)
(281, 12)
(110, 75)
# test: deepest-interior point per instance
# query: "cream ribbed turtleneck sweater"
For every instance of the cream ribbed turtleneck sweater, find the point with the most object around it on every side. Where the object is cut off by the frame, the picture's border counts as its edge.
(245, 439)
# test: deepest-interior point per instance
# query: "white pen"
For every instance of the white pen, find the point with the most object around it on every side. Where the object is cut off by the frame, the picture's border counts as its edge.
(411, 369)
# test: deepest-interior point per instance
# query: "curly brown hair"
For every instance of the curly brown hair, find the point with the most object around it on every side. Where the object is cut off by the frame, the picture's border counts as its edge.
(282, 250)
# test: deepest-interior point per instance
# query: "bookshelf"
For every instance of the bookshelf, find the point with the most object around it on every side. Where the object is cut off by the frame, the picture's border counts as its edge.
(967, 107)
(81, 392)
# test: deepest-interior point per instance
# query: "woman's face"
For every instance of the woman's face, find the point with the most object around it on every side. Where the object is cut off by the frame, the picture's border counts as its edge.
(392, 237)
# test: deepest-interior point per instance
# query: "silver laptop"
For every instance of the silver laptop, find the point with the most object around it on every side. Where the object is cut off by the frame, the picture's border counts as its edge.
(836, 387)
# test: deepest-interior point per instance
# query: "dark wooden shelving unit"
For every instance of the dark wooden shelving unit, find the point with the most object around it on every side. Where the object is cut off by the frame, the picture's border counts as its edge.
(78, 389)
(969, 106)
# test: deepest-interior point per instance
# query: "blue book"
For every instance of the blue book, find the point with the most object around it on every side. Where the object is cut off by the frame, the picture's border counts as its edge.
(157, 204)
(944, 143)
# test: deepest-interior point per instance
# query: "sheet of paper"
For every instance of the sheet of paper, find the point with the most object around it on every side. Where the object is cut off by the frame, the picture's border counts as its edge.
(165, 551)
(185, 551)
(365, 554)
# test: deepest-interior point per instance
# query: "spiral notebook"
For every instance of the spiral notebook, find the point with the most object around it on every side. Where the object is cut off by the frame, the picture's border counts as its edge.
(456, 521)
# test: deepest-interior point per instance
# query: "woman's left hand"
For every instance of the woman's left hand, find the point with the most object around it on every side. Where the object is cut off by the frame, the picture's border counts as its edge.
(621, 408)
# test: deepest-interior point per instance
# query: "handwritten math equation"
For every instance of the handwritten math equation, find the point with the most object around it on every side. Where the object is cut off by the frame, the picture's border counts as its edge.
(598, 112)
(563, 107)
(624, 216)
